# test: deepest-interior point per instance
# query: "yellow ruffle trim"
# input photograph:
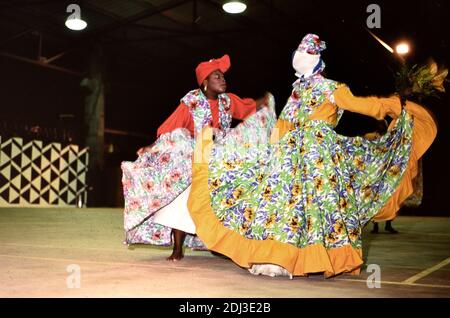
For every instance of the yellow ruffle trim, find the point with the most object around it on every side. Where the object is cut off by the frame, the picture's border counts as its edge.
(246, 252)
(424, 133)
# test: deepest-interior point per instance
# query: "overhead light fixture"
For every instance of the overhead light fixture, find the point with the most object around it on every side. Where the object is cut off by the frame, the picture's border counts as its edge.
(402, 48)
(234, 7)
(76, 24)
(74, 21)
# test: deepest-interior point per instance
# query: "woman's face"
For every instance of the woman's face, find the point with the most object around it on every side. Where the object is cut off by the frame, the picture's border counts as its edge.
(216, 82)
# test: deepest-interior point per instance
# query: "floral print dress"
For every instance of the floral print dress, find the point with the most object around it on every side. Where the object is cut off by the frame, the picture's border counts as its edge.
(312, 187)
(162, 173)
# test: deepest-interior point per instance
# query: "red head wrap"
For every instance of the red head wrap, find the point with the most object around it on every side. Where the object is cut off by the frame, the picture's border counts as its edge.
(205, 68)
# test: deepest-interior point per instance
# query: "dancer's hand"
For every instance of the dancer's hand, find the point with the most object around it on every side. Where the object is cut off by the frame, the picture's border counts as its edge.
(143, 150)
(263, 101)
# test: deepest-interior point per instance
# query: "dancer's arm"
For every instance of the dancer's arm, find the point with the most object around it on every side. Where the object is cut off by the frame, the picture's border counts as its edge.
(372, 106)
(241, 108)
(180, 118)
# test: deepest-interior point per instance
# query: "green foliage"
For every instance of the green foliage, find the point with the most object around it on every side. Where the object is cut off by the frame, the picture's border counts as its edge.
(418, 82)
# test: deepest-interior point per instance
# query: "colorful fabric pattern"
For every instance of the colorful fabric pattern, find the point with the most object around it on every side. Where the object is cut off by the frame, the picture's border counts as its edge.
(313, 186)
(158, 176)
(311, 44)
(154, 180)
(201, 111)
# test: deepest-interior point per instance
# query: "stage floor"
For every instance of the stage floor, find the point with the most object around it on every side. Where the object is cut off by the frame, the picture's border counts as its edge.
(42, 249)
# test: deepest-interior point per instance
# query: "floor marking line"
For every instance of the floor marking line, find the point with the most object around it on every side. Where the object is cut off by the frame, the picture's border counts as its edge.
(426, 272)
(396, 283)
(196, 268)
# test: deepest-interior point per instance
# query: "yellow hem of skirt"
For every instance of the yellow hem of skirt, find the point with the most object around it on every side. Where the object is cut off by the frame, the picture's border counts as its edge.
(424, 133)
(244, 251)
(298, 261)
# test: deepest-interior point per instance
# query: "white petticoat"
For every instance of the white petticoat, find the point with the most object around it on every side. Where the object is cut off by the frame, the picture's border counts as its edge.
(176, 214)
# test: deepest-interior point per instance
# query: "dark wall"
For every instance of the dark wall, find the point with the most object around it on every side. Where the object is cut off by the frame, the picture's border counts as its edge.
(143, 89)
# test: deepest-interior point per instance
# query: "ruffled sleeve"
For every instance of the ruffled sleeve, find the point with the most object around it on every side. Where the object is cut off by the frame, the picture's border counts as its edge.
(241, 108)
(180, 118)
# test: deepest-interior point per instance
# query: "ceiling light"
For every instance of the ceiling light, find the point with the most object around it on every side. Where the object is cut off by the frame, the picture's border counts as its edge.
(74, 21)
(234, 7)
(76, 24)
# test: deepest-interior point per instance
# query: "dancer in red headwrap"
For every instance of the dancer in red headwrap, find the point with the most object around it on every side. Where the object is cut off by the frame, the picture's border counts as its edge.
(157, 185)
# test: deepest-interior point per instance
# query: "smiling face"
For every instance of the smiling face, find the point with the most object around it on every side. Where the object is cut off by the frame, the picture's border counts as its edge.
(215, 82)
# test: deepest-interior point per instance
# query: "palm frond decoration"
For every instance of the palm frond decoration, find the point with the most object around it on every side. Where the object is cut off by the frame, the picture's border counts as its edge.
(418, 82)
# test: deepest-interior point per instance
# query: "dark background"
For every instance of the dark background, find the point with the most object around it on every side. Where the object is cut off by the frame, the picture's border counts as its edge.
(151, 49)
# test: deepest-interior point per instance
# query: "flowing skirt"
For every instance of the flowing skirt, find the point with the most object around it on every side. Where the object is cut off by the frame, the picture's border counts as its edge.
(154, 181)
(301, 203)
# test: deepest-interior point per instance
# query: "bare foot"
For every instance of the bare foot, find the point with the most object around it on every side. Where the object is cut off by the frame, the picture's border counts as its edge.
(176, 256)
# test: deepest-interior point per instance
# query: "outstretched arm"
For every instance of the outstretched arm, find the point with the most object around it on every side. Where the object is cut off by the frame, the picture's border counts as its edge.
(180, 118)
(241, 108)
(376, 107)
